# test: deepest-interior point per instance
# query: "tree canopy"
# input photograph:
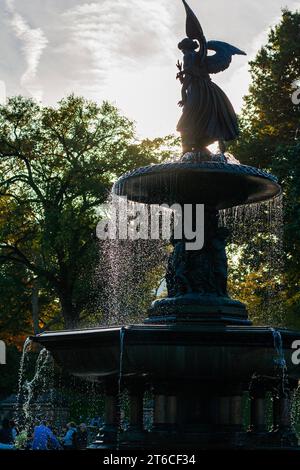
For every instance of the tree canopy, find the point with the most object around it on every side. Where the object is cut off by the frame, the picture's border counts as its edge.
(270, 126)
(269, 118)
(57, 166)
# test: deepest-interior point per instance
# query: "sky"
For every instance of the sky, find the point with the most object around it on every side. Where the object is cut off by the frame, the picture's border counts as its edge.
(124, 51)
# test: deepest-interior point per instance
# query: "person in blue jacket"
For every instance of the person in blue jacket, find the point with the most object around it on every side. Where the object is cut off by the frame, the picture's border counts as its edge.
(43, 438)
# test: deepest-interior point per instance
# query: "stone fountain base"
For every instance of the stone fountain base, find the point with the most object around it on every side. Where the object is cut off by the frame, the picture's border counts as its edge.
(197, 279)
(205, 308)
(210, 373)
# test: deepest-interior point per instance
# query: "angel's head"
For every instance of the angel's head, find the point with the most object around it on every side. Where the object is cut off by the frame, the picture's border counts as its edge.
(188, 45)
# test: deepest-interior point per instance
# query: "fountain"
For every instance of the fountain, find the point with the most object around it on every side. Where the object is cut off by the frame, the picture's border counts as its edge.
(196, 351)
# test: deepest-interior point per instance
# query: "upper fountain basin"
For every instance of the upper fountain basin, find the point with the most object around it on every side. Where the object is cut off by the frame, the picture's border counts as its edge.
(215, 184)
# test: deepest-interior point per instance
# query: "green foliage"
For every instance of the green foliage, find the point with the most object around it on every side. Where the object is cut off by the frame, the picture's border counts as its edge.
(269, 118)
(270, 125)
(57, 166)
(15, 304)
(10, 372)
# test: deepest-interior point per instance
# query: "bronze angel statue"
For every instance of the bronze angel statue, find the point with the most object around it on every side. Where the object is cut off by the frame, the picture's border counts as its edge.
(208, 115)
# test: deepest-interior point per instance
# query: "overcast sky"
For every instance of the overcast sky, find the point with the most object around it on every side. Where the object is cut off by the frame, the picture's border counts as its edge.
(123, 50)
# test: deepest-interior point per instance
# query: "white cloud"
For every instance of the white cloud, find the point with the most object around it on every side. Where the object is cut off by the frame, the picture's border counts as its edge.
(238, 85)
(33, 44)
(109, 37)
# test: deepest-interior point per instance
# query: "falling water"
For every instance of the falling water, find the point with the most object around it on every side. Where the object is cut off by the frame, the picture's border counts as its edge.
(38, 386)
(96, 397)
(32, 393)
(279, 359)
(263, 258)
(148, 407)
(276, 261)
(295, 409)
(120, 391)
(21, 377)
(122, 342)
(128, 267)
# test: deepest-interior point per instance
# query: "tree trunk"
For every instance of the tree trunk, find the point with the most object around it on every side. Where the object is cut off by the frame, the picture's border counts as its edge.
(69, 313)
(35, 306)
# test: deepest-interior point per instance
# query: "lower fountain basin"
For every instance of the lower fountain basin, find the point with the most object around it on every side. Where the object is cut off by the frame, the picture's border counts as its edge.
(166, 352)
(219, 185)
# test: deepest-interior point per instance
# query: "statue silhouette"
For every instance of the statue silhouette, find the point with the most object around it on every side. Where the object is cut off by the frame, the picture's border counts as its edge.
(208, 115)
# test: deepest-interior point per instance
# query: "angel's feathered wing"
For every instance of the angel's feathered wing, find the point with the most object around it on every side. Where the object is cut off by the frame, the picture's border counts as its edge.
(222, 59)
(194, 29)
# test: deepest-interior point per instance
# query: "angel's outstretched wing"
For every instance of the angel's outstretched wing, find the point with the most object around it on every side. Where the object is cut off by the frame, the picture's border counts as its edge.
(222, 59)
(194, 29)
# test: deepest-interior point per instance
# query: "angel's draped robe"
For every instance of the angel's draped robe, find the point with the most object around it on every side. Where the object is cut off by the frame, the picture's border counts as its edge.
(208, 115)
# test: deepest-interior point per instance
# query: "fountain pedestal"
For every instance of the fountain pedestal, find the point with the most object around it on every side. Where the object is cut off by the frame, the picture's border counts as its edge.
(197, 279)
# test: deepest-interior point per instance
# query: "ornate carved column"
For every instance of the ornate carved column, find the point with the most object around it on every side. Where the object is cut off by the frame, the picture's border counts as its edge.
(171, 411)
(258, 407)
(283, 430)
(229, 415)
(135, 431)
(224, 412)
(165, 409)
(236, 411)
(110, 430)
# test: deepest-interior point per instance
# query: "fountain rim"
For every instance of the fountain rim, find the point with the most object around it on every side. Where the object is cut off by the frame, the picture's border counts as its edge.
(212, 166)
(171, 333)
(270, 189)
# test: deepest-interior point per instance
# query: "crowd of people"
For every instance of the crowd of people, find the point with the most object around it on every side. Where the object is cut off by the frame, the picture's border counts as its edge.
(44, 436)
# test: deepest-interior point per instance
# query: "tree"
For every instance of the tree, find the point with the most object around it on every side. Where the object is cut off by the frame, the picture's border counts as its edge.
(269, 118)
(270, 125)
(57, 166)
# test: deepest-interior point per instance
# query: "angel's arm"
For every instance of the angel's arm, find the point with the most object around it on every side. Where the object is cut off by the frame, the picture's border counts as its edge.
(188, 62)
